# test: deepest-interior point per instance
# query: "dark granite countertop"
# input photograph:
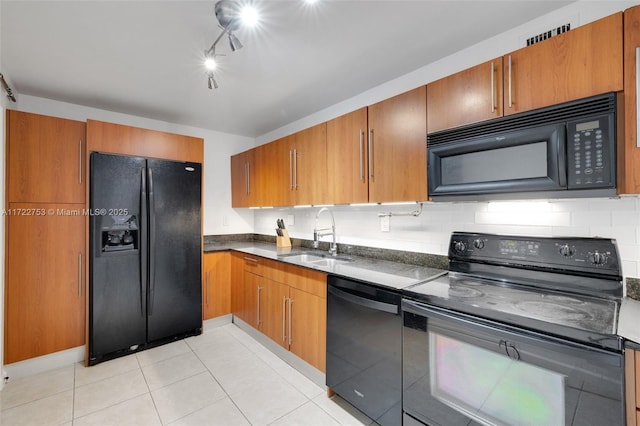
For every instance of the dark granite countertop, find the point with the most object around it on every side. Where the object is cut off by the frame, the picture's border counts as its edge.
(372, 269)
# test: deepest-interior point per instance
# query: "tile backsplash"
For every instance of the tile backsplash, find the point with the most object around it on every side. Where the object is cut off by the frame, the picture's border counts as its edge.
(617, 218)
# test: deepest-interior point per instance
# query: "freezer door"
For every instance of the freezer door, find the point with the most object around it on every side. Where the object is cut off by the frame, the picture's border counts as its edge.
(117, 289)
(175, 249)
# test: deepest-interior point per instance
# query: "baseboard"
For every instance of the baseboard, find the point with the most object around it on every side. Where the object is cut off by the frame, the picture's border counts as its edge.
(210, 324)
(43, 363)
(306, 369)
(67, 357)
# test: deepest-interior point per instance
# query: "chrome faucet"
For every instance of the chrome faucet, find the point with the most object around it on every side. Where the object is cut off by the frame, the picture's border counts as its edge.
(321, 232)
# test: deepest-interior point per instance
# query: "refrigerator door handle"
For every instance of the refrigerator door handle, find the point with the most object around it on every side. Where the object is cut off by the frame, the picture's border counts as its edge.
(152, 242)
(143, 240)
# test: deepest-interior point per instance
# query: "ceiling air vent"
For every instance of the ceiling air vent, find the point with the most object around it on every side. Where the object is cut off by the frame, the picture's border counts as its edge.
(548, 34)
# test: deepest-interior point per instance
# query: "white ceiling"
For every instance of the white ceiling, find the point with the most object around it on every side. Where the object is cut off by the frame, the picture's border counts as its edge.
(144, 58)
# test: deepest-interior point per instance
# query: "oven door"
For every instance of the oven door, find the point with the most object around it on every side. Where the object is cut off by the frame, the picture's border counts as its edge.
(459, 370)
(532, 159)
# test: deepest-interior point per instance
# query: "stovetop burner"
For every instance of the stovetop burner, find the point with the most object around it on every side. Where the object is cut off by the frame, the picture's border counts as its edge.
(570, 288)
(553, 311)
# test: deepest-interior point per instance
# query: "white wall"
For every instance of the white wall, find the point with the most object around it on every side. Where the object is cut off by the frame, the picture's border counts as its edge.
(429, 233)
(219, 217)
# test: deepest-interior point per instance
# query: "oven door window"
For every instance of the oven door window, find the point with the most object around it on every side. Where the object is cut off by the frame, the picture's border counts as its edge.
(493, 388)
(460, 370)
(524, 160)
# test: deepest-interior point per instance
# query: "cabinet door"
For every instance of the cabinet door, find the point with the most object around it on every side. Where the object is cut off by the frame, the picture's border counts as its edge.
(629, 153)
(307, 319)
(216, 288)
(583, 62)
(274, 180)
(46, 159)
(246, 298)
(121, 139)
(468, 96)
(45, 289)
(243, 180)
(398, 148)
(310, 165)
(274, 297)
(347, 153)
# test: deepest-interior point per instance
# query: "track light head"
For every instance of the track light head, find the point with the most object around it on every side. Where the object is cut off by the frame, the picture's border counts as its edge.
(211, 81)
(234, 43)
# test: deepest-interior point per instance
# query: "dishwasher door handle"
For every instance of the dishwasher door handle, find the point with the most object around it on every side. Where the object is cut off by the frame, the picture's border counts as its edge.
(363, 301)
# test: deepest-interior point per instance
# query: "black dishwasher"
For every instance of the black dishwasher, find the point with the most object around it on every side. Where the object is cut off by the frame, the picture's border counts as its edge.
(364, 348)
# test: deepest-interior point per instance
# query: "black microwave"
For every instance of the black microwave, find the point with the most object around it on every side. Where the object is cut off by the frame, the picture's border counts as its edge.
(564, 151)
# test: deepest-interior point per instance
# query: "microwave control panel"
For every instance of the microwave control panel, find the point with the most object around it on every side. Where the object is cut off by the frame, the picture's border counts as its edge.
(591, 153)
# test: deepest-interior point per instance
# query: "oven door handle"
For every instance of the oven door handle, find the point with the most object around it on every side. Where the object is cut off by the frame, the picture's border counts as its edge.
(363, 301)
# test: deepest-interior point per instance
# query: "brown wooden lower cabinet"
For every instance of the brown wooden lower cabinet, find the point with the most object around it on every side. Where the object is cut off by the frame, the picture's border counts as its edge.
(45, 289)
(287, 303)
(216, 285)
(632, 386)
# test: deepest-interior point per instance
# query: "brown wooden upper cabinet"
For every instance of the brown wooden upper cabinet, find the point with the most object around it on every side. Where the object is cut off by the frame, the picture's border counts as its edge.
(629, 154)
(468, 96)
(292, 170)
(397, 136)
(378, 154)
(583, 62)
(347, 158)
(243, 180)
(46, 159)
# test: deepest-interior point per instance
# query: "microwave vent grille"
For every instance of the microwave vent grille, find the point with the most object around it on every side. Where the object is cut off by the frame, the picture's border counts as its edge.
(596, 105)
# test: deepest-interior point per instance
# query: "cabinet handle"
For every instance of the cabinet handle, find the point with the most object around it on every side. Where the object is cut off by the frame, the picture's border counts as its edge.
(493, 88)
(510, 96)
(259, 290)
(290, 320)
(370, 146)
(284, 318)
(80, 161)
(290, 169)
(246, 172)
(295, 169)
(250, 259)
(79, 274)
(361, 157)
(206, 289)
(637, 96)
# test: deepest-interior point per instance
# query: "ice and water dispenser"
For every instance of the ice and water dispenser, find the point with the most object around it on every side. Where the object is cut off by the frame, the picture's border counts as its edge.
(119, 233)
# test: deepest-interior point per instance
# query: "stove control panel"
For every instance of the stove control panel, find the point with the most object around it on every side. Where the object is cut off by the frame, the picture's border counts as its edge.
(599, 255)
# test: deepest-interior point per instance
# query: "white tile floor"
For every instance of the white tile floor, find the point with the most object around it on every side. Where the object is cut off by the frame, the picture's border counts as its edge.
(223, 377)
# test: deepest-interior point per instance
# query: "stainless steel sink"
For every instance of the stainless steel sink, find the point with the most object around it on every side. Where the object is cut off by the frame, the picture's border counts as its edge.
(316, 259)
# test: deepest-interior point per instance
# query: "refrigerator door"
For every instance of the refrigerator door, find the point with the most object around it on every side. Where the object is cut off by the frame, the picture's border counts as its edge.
(175, 249)
(117, 289)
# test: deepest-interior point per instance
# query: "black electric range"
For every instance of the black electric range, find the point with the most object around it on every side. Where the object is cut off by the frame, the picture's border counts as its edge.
(522, 330)
(567, 287)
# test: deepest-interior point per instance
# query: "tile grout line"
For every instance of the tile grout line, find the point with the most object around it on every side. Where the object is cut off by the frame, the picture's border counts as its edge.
(220, 384)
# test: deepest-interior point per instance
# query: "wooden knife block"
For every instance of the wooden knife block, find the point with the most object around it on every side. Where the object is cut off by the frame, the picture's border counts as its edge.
(283, 241)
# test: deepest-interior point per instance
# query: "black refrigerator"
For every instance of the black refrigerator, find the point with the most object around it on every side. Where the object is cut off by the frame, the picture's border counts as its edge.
(145, 254)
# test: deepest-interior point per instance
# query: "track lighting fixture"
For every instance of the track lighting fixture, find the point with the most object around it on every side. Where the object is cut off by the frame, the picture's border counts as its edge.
(230, 14)
(211, 81)
(234, 43)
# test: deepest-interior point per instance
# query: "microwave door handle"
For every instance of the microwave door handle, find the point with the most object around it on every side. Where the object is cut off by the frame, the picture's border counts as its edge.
(561, 136)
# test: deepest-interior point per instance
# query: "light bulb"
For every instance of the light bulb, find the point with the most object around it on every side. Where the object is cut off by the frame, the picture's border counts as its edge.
(249, 15)
(210, 64)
